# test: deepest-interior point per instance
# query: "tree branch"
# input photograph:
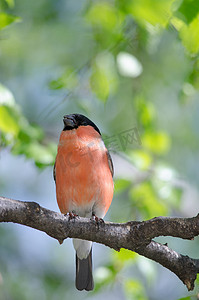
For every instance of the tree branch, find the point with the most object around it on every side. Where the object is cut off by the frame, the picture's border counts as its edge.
(135, 236)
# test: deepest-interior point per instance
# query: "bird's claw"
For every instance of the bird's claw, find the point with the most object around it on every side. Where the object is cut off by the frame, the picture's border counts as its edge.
(97, 220)
(71, 215)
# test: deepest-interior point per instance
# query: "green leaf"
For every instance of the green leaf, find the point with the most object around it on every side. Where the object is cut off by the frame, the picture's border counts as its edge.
(134, 290)
(9, 116)
(8, 121)
(67, 80)
(147, 114)
(124, 255)
(197, 280)
(11, 3)
(189, 35)
(177, 23)
(103, 80)
(30, 133)
(99, 84)
(25, 138)
(121, 184)
(106, 21)
(156, 142)
(188, 10)
(42, 155)
(103, 14)
(151, 11)
(141, 159)
(6, 20)
(144, 198)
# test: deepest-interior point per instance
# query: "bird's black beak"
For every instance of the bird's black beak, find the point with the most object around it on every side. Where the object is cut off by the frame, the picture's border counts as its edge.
(69, 122)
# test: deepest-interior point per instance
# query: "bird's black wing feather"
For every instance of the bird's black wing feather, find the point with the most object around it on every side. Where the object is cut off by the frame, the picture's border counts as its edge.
(54, 172)
(110, 163)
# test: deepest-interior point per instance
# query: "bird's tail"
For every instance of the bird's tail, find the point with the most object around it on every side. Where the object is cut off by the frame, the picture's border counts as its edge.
(84, 277)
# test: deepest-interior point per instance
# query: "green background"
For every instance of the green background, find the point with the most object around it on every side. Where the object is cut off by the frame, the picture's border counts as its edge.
(132, 67)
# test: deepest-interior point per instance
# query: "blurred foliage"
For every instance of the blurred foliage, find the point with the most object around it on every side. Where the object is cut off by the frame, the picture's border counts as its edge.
(6, 20)
(22, 137)
(123, 62)
(134, 290)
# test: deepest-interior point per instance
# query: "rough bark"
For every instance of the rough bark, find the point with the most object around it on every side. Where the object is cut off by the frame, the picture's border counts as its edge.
(135, 236)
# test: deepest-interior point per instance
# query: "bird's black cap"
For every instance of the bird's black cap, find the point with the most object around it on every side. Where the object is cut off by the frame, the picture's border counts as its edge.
(75, 120)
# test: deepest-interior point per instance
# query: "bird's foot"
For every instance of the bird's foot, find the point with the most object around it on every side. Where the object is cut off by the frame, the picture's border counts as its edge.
(71, 215)
(97, 220)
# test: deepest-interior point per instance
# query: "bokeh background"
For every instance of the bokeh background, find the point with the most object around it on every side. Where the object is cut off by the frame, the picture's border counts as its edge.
(132, 67)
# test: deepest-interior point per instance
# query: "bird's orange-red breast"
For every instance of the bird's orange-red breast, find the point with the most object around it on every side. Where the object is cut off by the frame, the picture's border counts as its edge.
(83, 174)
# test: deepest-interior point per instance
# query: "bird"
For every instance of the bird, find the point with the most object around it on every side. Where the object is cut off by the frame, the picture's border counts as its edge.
(83, 174)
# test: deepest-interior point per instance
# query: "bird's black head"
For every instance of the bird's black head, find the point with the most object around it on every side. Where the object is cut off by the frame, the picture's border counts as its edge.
(75, 120)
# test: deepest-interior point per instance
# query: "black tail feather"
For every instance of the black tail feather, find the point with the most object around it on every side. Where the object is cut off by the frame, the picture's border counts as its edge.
(84, 277)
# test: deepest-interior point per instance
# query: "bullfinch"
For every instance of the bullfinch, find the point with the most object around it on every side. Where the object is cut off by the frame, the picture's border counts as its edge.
(83, 174)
